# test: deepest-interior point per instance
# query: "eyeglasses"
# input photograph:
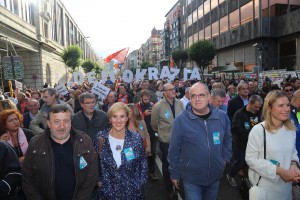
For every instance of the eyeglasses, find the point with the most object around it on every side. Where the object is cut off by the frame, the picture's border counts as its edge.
(89, 103)
(171, 89)
(200, 96)
(289, 90)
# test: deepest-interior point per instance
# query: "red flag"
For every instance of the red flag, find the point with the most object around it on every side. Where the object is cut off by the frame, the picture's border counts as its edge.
(119, 56)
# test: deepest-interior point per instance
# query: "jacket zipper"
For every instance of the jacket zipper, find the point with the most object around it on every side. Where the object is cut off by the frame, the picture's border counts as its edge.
(208, 150)
(74, 156)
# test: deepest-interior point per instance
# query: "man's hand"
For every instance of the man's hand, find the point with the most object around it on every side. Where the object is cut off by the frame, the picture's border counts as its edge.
(147, 112)
(175, 183)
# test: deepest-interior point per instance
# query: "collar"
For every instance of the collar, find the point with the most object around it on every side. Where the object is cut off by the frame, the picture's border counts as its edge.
(214, 113)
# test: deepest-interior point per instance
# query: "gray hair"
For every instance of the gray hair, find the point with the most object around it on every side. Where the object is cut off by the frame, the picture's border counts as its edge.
(240, 85)
(51, 91)
(187, 89)
(86, 95)
(254, 98)
(218, 93)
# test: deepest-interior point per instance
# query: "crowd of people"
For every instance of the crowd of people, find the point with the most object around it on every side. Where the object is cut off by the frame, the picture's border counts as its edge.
(80, 146)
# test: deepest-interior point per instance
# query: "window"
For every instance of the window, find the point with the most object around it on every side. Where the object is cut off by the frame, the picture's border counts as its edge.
(15, 7)
(234, 18)
(195, 16)
(195, 36)
(206, 7)
(247, 13)
(190, 40)
(214, 3)
(278, 7)
(207, 31)
(189, 20)
(200, 12)
(2, 3)
(59, 16)
(215, 29)
(201, 34)
(188, 2)
(221, 1)
(67, 30)
(224, 24)
(256, 8)
(264, 8)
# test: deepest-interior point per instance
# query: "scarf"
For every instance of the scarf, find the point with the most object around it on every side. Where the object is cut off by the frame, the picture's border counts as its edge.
(23, 144)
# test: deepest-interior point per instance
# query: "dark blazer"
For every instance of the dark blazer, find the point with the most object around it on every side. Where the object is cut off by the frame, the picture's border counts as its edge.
(26, 120)
(234, 105)
(99, 122)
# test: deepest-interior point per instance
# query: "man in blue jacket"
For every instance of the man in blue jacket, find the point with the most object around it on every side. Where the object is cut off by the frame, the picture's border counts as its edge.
(200, 146)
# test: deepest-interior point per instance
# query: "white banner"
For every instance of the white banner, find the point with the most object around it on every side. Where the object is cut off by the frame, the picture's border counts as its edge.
(100, 90)
(61, 89)
(19, 85)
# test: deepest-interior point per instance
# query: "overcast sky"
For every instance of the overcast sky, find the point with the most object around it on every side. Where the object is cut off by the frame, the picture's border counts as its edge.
(115, 24)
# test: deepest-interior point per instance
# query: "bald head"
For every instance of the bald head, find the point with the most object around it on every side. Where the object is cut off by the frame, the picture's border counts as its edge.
(199, 85)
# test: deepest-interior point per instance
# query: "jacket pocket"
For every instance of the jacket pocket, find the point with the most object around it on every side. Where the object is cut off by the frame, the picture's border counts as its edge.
(39, 159)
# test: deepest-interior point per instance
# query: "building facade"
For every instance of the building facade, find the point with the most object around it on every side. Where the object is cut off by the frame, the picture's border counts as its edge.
(153, 48)
(246, 32)
(171, 35)
(132, 59)
(39, 31)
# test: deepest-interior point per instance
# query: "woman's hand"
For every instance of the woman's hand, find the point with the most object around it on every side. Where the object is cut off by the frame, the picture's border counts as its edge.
(295, 170)
(99, 184)
(5, 137)
(286, 175)
(21, 160)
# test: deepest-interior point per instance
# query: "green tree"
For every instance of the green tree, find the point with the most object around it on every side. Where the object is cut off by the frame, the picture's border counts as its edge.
(88, 65)
(97, 69)
(71, 56)
(202, 52)
(145, 65)
(180, 56)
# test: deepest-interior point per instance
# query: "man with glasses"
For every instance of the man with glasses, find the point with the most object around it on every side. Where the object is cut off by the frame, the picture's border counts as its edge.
(162, 117)
(288, 90)
(200, 146)
(89, 120)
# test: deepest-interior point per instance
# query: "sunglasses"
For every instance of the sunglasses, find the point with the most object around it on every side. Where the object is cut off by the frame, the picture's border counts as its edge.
(290, 90)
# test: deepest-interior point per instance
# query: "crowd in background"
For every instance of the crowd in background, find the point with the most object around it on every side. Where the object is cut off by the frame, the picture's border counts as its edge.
(114, 140)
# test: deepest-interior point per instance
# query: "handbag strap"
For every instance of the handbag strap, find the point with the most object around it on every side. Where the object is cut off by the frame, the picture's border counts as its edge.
(264, 149)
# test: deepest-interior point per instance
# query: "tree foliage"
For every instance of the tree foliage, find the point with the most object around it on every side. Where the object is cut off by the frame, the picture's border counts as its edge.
(145, 65)
(71, 56)
(180, 56)
(97, 69)
(88, 65)
(202, 52)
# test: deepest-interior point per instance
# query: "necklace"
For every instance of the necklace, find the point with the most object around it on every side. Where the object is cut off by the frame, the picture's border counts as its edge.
(118, 147)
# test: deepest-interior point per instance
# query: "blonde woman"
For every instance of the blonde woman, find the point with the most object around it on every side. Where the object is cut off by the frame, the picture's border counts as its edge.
(123, 169)
(138, 125)
(280, 168)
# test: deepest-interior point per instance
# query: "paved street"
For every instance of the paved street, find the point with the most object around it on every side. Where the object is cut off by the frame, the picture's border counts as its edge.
(156, 190)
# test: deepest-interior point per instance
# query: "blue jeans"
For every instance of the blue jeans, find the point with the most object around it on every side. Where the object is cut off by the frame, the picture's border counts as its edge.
(198, 192)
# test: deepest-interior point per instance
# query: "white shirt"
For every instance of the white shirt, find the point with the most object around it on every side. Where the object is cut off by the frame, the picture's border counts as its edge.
(113, 142)
(184, 101)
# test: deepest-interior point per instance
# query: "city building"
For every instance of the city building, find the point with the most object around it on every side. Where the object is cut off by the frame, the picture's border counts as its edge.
(132, 59)
(38, 31)
(141, 53)
(171, 34)
(153, 48)
(247, 33)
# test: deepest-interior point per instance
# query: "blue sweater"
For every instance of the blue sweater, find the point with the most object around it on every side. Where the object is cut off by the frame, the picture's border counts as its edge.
(195, 152)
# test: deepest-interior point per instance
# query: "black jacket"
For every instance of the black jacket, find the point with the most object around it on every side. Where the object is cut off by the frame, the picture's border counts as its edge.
(99, 122)
(242, 123)
(234, 105)
(10, 171)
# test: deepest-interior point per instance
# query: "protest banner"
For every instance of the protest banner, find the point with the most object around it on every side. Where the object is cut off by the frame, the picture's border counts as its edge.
(100, 90)
(19, 85)
(61, 89)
